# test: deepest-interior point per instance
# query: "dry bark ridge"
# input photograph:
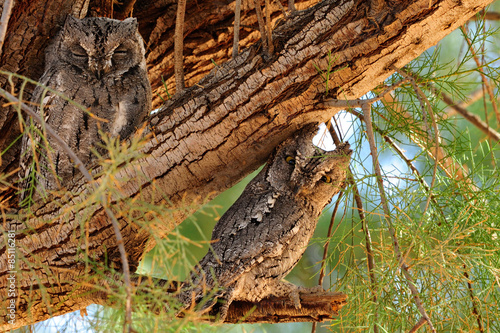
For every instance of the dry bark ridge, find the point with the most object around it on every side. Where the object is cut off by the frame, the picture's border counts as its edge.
(203, 136)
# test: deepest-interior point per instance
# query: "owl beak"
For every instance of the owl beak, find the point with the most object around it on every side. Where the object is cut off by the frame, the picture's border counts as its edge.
(98, 74)
(100, 67)
(301, 189)
(304, 191)
(103, 69)
(106, 66)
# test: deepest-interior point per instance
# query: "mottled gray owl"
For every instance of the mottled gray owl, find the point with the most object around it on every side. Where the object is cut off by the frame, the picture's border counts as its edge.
(100, 64)
(263, 235)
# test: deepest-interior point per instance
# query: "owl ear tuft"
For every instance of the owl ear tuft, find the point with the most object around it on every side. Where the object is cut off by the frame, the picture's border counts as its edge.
(71, 24)
(71, 20)
(132, 22)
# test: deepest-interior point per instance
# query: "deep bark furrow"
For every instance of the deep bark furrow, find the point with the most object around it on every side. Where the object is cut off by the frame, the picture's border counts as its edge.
(211, 25)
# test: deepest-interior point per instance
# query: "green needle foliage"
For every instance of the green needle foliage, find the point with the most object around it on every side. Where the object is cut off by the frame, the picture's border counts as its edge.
(452, 249)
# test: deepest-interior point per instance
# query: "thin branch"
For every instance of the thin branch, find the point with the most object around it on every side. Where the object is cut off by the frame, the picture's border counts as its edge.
(237, 22)
(445, 162)
(358, 103)
(486, 83)
(368, 244)
(472, 118)
(485, 108)
(475, 96)
(440, 157)
(128, 8)
(419, 324)
(404, 267)
(269, 29)
(349, 104)
(179, 46)
(491, 16)
(4, 21)
(410, 165)
(262, 27)
(313, 328)
(81, 167)
(401, 154)
(368, 238)
(437, 140)
(329, 234)
(424, 102)
(291, 6)
(475, 310)
(327, 243)
(280, 6)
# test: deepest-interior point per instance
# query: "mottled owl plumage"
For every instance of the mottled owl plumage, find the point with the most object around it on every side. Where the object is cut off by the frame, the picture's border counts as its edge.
(100, 64)
(263, 235)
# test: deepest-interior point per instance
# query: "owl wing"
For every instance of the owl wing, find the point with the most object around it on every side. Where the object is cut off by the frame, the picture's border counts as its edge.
(254, 228)
(31, 146)
(133, 106)
(239, 238)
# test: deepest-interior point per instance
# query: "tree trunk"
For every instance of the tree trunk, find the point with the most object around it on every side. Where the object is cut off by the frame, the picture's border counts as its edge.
(203, 136)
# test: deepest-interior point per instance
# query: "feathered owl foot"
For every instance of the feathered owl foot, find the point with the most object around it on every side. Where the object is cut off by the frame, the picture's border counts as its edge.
(287, 289)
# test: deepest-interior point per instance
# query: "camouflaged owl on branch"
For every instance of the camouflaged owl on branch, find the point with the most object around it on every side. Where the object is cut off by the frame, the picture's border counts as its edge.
(100, 64)
(263, 235)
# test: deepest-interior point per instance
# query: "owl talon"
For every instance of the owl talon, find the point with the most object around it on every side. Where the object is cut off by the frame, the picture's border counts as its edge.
(295, 297)
(311, 290)
(223, 312)
(286, 289)
(295, 294)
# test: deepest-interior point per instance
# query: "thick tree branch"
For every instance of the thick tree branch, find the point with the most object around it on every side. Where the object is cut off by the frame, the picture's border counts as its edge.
(4, 20)
(316, 307)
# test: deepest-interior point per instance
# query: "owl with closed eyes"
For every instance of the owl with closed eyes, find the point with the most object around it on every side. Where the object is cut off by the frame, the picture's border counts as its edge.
(99, 63)
(265, 232)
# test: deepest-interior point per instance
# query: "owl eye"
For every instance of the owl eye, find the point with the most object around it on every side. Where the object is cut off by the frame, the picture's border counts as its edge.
(326, 179)
(120, 51)
(290, 160)
(79, 53)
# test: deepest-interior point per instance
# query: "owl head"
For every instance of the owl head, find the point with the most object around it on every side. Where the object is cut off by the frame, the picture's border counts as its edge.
(308, 172)
(99, 47)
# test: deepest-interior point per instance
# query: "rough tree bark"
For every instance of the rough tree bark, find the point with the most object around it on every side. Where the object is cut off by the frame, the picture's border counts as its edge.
(201, 137)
